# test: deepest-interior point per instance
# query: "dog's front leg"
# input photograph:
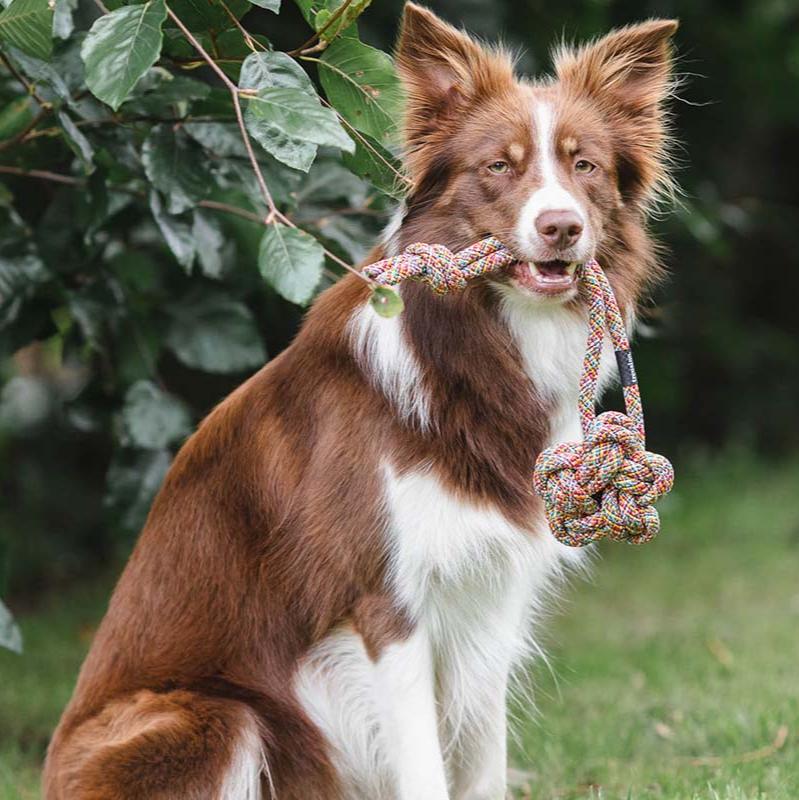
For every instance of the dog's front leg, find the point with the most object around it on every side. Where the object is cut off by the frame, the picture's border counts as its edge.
(479, 761)
(406, 696)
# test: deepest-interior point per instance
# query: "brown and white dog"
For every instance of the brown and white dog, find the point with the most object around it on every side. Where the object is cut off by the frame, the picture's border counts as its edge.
(340, 572)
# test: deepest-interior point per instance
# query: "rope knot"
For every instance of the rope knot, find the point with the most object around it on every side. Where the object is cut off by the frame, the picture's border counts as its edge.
(604, 485)
(435, 264)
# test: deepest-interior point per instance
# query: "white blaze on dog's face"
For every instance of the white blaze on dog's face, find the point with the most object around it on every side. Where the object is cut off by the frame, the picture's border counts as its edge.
(560, 170)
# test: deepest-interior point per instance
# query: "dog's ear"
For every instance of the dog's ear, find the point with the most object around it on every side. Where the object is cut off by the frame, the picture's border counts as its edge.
(628, 74)
(444, 72)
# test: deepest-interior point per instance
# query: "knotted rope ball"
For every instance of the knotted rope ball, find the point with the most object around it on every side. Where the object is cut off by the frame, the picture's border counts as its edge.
(606, 484)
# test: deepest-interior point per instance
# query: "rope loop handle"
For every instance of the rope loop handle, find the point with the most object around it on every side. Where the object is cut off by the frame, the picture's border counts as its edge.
(606, 484)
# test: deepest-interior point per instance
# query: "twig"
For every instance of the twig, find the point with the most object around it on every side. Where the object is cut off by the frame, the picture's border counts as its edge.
(69, 180)
(353, 131)
(239, 212)
(195, 63)
(29, 134)
(96, 123)
(29, 87)
(23, 134)
(361, 211)
(250, 40)
(42, 174)
(742, 758)
(337, 14)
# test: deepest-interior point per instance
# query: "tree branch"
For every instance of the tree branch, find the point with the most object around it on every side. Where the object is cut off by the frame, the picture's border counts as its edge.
(234, 94)
(23, 134)
(337, 14)
(42, 174)
(29, 87)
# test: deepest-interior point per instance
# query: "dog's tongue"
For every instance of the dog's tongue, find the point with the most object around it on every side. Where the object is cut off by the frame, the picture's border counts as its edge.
(552, 267)
(545, 277)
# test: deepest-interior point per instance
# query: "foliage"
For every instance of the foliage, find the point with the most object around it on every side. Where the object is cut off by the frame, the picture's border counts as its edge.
(173, 183)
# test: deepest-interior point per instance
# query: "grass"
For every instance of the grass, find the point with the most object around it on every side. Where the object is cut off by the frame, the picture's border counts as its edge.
(672, 671)
(680, 659)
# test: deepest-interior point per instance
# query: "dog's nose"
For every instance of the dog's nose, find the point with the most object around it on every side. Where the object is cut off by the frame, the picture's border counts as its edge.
(559, 228)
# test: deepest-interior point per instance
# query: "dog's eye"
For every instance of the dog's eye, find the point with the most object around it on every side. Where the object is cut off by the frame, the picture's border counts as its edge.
(499, 167)
(584, 167)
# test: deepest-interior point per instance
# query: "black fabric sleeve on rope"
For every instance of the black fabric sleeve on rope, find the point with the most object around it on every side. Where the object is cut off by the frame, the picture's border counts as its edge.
(624, 358)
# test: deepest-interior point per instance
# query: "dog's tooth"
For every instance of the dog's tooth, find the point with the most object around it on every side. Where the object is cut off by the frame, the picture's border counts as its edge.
(570, 269)
(533, 269)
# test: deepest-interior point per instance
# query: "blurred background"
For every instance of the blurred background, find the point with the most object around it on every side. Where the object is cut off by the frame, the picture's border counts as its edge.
(717, 359)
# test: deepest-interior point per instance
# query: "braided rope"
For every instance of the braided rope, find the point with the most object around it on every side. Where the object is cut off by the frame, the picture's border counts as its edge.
(439, 267)
(605, 485)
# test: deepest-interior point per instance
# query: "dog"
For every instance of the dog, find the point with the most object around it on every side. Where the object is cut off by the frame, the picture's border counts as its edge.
(343, 568)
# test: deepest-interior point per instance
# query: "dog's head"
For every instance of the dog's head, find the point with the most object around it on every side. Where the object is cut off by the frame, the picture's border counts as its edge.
(561, 170)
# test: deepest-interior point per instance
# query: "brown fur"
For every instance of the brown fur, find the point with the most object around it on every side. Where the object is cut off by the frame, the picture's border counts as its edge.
(268, 531)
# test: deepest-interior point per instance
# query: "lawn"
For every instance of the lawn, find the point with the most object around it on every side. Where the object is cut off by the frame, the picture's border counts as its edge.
(674, 671)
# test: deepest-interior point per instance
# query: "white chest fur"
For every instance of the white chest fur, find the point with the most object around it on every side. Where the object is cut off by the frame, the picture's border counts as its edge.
(473, 582)
(551, 340)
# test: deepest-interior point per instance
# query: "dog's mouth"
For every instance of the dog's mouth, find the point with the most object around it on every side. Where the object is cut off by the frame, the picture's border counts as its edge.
(544, 277)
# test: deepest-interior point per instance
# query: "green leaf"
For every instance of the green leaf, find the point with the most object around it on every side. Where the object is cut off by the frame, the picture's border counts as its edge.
(91, 315)
(153, 419)
(318, 14)
(309, 9)
(55, 79)
(132, 480)
(291, 261)
(350, 233)
(77, 142)
(63, 24)
(175, 165)
(177, 233)
(209, 241)
(362, 84)
(271, 68)
(269, 5)
(223, 139)
(137, 349)
(386, 302)
(289, 123)
(328, 182)
(232, 48)
(120, 48)
(28, 25)
(377, 165)
(158, 89)
(208, 15)
(214, 333)
(16, 116)
(10, 636)
(19, 278)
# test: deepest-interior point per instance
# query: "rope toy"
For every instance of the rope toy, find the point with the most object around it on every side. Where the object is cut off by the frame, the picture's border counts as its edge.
(605, 485)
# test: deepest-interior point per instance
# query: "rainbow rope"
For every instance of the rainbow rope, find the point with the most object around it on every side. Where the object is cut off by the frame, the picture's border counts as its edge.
(605, 485)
